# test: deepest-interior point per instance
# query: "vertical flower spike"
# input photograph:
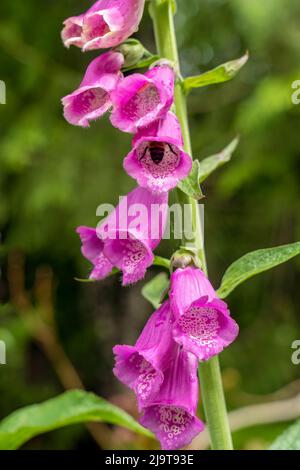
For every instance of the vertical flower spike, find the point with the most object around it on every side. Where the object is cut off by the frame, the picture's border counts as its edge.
(92, 99)
(172, 413)
(133, 231)
(203, 324)
(106, 24)
(92, 249)
(141, 99)
(157, 160)
(141, 367)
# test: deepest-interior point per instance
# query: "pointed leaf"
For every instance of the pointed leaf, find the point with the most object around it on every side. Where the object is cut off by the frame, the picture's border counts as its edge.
(76, 406)
(254, 263)
(154, 290)
(210, 164)
(191, 185)
(289, 439)
(220, 74)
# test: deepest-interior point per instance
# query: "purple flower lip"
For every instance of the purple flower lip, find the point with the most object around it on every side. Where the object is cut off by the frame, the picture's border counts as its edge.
(140, 99)
(157, 160)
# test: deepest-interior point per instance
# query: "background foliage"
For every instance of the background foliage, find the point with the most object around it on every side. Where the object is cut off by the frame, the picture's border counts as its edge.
(53, 176)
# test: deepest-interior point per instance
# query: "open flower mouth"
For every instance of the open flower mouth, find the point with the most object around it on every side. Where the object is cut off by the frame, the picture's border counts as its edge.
(204, 330)
(87, 104)
(201, 324)
(94, 27)
(159, 159)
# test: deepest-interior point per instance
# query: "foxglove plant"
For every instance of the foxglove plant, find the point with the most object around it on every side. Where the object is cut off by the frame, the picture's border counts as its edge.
(194, 324)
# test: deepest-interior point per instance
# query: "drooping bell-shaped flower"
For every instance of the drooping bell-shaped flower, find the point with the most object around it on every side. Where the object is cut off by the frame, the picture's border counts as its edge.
(92, 99)
(106, 24)
(141, 367)
(133, 231)
(157, 160)
(171, 416)
(127, 237)
(141, 99)
(92, 249)
(203, 323)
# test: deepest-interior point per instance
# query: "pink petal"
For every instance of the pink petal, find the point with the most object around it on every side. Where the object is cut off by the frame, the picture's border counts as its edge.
(141, 99)
(141, 366)
(92, 99)
(92, 249)
(161, 140)
(172, 413)
(205, 329)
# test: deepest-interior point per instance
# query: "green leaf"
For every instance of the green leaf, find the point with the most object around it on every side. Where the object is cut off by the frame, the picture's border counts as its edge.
(73, 407)
(191, 185)
(220, 74)
(289, 439)
(254, 263)
(142, 64)
(153, 291)
(210, 164)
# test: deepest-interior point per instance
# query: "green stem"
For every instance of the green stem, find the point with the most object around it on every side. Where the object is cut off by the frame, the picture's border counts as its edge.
(210, 375)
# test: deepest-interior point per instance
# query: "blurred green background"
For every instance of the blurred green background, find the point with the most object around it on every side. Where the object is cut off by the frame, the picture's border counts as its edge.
(53, 176)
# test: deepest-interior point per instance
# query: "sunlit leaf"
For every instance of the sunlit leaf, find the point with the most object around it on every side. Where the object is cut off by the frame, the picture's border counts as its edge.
(220, 74)
(289, 439)
(191, 185)
(153, 291)
(254, 263)
(210, 164)
(72, 407)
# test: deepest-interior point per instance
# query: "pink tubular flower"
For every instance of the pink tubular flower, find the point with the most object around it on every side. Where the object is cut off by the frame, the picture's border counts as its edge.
(141, 367)
(106, 24)
(141, 99)
(203, 324)
(157, 160)
(127, 237)
(133, 231)
(92, 99)
(171, 416)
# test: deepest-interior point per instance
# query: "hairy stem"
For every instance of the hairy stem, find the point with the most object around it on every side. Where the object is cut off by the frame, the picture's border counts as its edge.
(210, 376)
